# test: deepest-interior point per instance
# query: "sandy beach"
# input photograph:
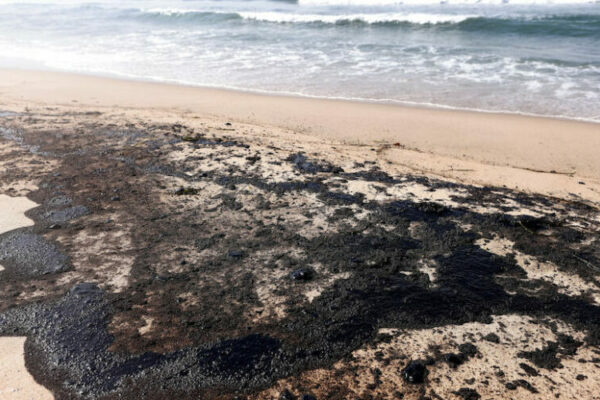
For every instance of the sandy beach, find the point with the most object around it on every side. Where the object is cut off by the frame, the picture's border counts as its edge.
(160, 240)
(543, 155)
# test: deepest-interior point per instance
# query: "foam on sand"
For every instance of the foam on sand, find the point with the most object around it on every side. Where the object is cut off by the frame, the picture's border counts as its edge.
(15, 382)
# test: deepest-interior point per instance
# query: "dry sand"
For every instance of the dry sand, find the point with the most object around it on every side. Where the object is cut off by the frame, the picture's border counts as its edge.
(15, 382)
(12, 211)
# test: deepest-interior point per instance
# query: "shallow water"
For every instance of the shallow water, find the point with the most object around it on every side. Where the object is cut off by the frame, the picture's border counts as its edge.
(511, 56)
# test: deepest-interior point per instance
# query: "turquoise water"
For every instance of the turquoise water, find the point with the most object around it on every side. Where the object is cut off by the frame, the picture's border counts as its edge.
(513, 56)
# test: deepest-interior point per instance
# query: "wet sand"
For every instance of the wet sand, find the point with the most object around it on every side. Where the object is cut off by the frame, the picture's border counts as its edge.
(181, 250)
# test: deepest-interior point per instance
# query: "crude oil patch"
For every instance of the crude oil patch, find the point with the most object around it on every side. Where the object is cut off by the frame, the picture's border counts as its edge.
(172, 260)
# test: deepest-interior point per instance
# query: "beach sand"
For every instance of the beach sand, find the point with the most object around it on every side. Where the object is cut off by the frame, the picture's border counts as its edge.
(13, 212)
(538, 154)
(291, 246)
(15, 382)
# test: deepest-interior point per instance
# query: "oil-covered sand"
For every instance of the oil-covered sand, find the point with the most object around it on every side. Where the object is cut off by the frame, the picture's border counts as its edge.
(174, 256)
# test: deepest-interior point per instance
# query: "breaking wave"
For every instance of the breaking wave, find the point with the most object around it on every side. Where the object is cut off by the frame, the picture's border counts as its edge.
(559, 25)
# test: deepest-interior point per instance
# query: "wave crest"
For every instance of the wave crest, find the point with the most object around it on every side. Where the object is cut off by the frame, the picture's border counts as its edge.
(378, 18)
(554, 25)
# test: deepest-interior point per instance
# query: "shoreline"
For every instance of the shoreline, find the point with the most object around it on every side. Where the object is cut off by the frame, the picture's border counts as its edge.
(549, 156)
(295, 95)
(286, 94)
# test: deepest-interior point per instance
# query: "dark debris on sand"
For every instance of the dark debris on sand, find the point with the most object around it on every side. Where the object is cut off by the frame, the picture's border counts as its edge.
(205, 344)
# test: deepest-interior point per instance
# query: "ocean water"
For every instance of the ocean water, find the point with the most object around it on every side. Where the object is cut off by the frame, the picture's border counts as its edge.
(519, 56)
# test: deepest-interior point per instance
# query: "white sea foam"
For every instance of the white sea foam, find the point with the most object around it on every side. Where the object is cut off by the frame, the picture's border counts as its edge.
(433, 2)
(332, 18)
(371, 18)
(176, 11)
(283, 17)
